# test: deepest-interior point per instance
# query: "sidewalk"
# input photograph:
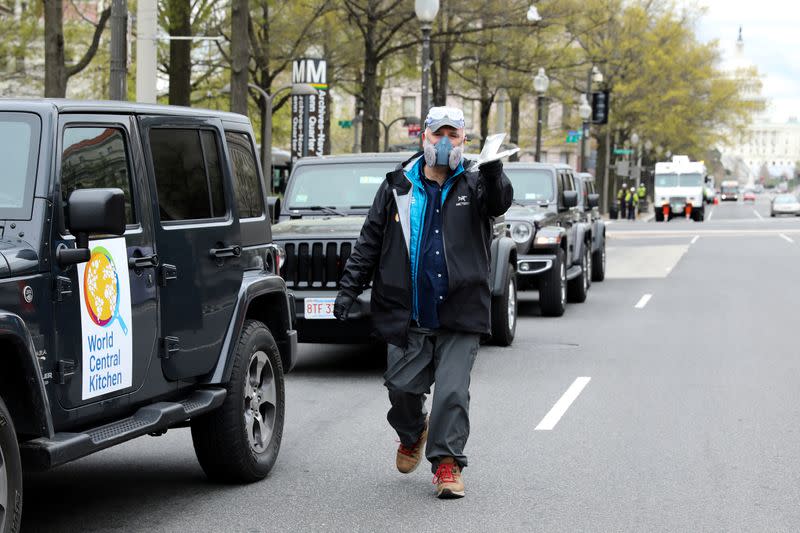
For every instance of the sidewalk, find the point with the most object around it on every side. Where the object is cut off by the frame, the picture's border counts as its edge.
(647, 216)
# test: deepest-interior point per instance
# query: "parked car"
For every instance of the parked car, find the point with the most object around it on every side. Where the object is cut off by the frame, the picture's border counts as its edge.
(326, 202)
(784, 204)
(588, 204)
(554, 245)
(137, 289)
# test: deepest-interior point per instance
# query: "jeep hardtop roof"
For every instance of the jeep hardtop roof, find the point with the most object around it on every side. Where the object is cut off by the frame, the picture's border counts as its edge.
(63, 105)
(379, 157)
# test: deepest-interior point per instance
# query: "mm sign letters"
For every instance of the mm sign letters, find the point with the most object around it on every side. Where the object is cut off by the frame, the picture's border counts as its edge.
(310, 117)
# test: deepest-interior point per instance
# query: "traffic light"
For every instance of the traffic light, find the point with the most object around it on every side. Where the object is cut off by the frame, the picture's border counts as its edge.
(601, 105)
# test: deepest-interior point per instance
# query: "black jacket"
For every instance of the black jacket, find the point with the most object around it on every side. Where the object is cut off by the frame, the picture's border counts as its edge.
(381, 253)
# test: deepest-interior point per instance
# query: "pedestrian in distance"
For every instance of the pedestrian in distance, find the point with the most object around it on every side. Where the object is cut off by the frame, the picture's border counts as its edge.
(621, 201)
(631, 201)
(425, 248)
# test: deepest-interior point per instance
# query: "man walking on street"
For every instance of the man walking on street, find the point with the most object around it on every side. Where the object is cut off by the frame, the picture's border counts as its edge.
(425, 248)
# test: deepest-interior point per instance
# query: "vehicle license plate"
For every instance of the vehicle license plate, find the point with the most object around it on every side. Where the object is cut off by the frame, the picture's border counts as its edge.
(319, 308)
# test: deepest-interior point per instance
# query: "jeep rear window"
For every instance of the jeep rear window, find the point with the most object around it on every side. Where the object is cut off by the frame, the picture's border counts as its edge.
(338, 185)
(531, 184)
(188, 174)
(248, 192)
(19, 148)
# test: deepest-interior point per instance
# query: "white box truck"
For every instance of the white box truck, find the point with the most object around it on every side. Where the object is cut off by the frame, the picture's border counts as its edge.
(679, 189)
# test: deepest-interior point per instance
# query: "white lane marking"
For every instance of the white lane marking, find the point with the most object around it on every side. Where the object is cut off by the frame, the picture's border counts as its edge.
(711, 214)
(786, 238)
(551, 418)
(643, 301)
(758, 215)
(695, 239)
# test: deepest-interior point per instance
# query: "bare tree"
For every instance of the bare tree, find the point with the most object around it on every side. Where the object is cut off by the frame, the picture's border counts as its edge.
(56, 72)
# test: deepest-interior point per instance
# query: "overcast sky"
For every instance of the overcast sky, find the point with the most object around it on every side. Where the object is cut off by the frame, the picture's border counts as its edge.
(772, 43)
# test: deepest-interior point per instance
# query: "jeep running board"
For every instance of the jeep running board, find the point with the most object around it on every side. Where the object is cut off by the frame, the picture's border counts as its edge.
(43, 453)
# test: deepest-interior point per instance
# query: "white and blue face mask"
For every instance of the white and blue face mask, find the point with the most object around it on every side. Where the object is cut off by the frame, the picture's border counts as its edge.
(442, 153)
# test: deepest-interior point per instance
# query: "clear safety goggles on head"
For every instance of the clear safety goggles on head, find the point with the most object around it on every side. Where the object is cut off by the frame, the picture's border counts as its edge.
(436, 114)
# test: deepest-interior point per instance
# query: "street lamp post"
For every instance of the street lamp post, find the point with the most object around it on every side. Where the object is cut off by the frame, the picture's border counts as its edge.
(387, 127)
(585, 111)
(297, 89)
(426, 11)
(540, 83)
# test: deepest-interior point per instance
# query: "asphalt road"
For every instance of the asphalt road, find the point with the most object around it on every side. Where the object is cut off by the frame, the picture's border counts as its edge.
(688, 419)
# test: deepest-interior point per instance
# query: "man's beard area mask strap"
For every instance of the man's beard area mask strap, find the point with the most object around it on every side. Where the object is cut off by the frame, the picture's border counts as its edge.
(442, 153)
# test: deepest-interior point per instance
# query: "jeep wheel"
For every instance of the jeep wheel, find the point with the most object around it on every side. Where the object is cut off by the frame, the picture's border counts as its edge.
(553, 287)
(578, 287)
(10, 474)
(239, 442)
(599, 263)
(504, 312)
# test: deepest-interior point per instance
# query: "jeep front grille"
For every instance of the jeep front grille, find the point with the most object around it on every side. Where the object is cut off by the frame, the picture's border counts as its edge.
(318, 265)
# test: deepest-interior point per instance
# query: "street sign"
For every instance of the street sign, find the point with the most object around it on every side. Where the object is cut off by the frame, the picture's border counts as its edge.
(622, 168)
(346, 124)
(601, 104)
(623, 151)
(310, 116)
(573, 136)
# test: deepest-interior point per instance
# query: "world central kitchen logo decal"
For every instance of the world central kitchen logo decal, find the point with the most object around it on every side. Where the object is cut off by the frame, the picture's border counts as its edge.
(105, 319)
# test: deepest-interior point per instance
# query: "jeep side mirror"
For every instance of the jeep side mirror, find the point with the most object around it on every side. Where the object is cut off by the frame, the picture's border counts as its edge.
(274, 204)
(570, 199)
(594, 200)
(92, 211)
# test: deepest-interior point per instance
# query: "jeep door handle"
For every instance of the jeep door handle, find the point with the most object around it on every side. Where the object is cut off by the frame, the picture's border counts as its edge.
(143, 262)
(221, 253)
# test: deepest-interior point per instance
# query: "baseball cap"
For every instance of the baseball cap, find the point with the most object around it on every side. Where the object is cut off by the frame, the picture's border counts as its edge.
(444, 116)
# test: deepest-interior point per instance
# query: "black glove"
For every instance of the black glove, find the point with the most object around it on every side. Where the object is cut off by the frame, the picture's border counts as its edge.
(492, 170)
(342, 305)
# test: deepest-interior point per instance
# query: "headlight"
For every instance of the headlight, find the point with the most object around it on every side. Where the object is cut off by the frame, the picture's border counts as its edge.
(521, 232)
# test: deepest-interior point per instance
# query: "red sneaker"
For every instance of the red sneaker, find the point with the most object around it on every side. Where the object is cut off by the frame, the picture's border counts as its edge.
(448, 480)
(408, 459)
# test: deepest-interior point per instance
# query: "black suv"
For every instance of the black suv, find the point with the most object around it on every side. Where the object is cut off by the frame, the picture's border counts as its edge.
(553, 243)
(588, 203)
(326, 202)
(138, 289)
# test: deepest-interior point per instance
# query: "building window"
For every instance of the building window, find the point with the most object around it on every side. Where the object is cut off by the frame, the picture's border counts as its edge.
(410, 106)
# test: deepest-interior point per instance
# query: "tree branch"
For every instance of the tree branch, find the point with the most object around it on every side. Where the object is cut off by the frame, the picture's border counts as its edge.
(90, 53)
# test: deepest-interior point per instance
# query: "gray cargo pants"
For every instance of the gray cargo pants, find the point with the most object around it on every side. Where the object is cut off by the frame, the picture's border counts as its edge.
(443, 357)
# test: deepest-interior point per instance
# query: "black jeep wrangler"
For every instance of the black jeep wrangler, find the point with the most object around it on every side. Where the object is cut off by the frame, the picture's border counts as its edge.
(553, 243)
(138, 289)
(323, 210)
(589, 205)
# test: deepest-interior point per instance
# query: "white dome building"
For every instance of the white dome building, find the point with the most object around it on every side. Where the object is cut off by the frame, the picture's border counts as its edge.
(766, 145)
